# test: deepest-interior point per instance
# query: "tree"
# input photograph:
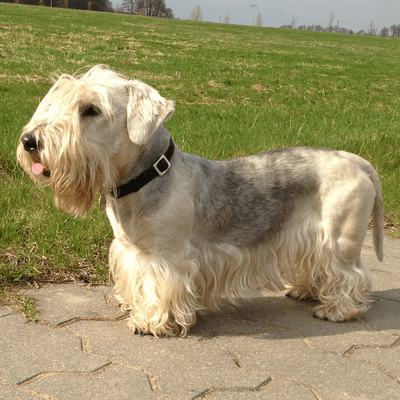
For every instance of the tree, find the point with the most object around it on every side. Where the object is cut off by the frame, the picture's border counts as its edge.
(331, 19)
(384, 32)
(371, 29)
(95, 5)
(128, 6)
(294, 22)
(395, 30)
(336, 29)
(118, 9)
(149, 8)
(259, 20)
(227, 20)
(196, 14)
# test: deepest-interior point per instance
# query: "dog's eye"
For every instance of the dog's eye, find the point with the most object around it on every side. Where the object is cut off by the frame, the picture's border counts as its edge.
(90, 111)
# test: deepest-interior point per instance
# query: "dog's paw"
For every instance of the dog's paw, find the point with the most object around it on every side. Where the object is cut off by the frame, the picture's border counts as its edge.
(139, 327)
(329, 313)
(299, 294)
(316, 315)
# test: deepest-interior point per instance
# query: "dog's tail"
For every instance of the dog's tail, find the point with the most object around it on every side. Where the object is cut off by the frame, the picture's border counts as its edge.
(377, 214)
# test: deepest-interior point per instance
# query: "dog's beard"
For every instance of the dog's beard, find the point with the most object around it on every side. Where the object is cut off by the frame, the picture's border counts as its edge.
(75, 193)
(73, 182)
(76, 201)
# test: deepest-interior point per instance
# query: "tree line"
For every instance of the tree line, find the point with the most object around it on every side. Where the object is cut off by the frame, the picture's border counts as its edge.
(150, 8)
(371, 30)
(93, 5)
(159, 9)
(393, 31)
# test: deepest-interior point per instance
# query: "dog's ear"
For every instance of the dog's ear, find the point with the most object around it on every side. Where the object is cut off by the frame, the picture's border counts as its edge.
(146, 110)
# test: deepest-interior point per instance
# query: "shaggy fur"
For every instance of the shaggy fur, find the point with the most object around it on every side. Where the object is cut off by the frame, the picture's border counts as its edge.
(292, 218)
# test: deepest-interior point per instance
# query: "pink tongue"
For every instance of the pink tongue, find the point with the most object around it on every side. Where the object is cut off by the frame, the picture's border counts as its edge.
(37, 168)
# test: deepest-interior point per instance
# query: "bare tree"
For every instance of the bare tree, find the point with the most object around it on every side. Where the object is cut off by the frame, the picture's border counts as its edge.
(331, 19)
(371, 29)
(395, 30)
(150, 8)
(259, 20)
(118, 9)
(227, 20)
(336, 29)
(196, 14)
(384, 32)
(128, 6)
(294, 22)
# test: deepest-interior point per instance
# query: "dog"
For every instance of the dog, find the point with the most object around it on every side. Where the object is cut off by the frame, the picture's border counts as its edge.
(191, 233)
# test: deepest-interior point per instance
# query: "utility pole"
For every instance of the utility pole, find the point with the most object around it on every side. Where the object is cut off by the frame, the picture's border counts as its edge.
(252, 15)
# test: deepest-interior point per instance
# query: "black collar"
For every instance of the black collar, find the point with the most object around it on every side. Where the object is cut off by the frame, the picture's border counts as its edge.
(159, 168)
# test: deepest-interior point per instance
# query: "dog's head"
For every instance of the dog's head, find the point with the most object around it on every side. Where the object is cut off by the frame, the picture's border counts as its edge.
(86, 131)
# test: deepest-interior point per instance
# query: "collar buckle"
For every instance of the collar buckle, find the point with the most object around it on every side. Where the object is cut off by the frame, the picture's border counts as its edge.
(159, 168)
(162, 165)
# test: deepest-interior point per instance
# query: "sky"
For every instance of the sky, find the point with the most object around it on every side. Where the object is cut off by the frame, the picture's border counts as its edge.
(351, 14)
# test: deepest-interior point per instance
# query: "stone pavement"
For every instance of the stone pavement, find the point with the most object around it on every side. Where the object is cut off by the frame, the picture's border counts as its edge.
(265, 348)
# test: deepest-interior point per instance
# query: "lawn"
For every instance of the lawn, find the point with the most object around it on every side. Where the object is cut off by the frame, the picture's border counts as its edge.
(237, 89)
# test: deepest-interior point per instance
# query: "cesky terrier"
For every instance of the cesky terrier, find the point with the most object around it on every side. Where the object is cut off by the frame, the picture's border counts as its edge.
(191, 231)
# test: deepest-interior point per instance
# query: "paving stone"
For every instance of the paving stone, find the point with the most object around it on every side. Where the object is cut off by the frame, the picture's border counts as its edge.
(28, 349)
(61, 303)
(227, 321)
(183, 367)
(391, 260)
(118, 382)
(276, 390)
(333, 376)
(297, 317)
(268, 347)
(4, 311)
(12, 393)
(388, 358)
(383, 316)
(386, 285)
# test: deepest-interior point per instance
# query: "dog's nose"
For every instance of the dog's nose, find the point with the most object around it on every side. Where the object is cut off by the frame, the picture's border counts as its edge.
(29, 142)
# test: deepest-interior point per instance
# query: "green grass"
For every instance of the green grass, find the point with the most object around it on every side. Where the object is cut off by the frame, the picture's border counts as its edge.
(27, 307)
(238, 90)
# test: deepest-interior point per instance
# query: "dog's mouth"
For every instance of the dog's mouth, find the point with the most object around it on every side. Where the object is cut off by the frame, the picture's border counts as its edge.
(37, 168)
(32, 146)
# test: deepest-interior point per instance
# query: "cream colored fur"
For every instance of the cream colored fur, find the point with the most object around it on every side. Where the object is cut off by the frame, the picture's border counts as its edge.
(207, 231)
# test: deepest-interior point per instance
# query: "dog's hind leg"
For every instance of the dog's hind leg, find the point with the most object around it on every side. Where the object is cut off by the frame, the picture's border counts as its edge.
(342, 281)
(344, 293)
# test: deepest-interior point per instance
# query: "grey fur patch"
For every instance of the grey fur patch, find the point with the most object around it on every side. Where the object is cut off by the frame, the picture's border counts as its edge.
(247, 200)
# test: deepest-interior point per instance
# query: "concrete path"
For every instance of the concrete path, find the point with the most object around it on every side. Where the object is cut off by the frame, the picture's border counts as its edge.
(266, 348)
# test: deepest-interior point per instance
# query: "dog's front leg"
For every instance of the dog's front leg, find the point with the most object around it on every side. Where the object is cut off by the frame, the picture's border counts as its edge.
(159, 290)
